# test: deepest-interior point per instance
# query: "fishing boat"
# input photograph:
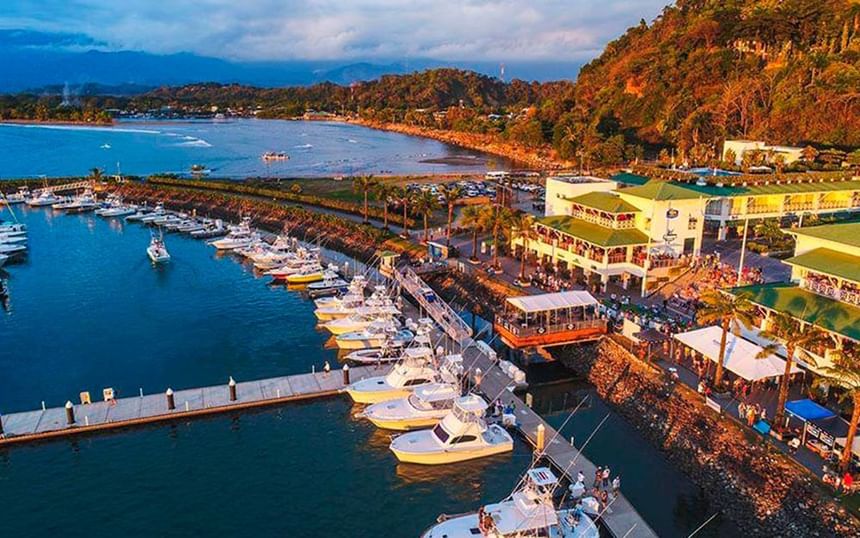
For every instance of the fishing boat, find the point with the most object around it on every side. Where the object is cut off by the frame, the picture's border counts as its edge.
(328, 286)
(138, 215)
(16, 198)
(157, 251)
(13, 238)
(118, 211)
(191, 226)
(408, 374)
(275, 156)
(462, 435)
(237, 237)
(156, 213)
(10, 228)
(360, 320)
(528, 512)
(372, 337)
(424, 408)
(83, 203)
(310, 274)
(10, 249)
(44, 198)
(63, 203)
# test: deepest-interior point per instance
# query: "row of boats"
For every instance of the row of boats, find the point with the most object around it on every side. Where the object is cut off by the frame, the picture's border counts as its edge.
(13, 241)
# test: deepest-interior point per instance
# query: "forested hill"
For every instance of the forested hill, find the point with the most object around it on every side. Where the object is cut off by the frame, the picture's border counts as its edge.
(786, 71)
(782, 70)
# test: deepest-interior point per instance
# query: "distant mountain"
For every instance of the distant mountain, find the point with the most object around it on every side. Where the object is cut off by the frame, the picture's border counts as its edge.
(37, 60)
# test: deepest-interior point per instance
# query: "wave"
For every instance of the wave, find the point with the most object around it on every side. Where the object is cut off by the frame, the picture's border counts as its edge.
(304, 146)
(80, 128)
(192, 142)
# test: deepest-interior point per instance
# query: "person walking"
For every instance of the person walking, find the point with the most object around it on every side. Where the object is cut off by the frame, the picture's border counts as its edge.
(606, 475)
(326, 369)
(598, 475)
(616, 485)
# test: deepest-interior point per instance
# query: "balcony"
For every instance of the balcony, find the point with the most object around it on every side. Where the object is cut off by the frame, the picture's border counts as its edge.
(844, 296)
(830, 204)
(762, 209)
(617, 258)
(799, 206)
(518, 336)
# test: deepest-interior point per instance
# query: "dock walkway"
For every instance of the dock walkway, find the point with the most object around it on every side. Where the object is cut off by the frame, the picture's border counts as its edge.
(152, 408)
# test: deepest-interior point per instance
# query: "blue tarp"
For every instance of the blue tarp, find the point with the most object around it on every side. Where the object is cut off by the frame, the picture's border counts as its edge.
(807, 410)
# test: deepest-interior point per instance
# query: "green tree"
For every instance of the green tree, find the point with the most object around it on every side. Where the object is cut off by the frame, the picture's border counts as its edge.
(363, 185)
(797, 337)
(404, 197)
(497, 219)
(425, 204)
(96, 174)
(385, 193)
(473, 218)
(522, 227)
(450, 194)
(845, 374)
(725, 310)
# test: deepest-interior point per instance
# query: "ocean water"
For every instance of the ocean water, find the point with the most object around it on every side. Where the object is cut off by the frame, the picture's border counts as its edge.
(87, 311)
(229, 148)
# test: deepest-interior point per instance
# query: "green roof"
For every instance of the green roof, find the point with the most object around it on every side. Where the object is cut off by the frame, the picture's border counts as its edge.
(593, 233)
(829, 262)
(673, 190)
(829, 314)
(604, 201)
(847, 233)
(630, 179)
(663, 190)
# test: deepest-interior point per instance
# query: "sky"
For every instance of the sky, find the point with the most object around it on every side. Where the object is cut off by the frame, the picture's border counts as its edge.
(276, 30)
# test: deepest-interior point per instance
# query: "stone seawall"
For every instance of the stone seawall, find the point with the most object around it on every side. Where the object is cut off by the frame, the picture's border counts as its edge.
(761, 490)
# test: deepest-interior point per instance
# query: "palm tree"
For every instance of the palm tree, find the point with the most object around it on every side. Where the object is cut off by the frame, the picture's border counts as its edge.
(450, 194)
(725, 309)
(384, 193)
(845, 374)
(425, 204)
(473, 218)
(522, 227)
(96, 174)
(797, 338)
(497, 219)
(364, 184)
(404, 197)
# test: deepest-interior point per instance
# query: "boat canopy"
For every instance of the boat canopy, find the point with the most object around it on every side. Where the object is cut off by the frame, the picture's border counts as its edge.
(548, 302)
(436, 392)
(742, 356)
(542, 477)
(525, 514)
(471, 404)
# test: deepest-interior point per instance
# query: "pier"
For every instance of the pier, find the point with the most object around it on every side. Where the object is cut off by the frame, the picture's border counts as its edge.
(621, 518)
(53, 422)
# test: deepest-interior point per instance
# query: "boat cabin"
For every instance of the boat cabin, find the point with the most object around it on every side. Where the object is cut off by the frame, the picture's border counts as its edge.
(550, 319)
(465, 423)
(433, 396)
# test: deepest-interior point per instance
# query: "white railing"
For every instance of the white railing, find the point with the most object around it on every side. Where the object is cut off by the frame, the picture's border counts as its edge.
(438, 309)
(66, 187)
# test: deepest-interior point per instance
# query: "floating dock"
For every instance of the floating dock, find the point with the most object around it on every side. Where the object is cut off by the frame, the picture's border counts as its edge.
(169, 406)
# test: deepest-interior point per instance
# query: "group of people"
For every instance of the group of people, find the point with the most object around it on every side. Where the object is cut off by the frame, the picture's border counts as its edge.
(751, 413)
(604, 488)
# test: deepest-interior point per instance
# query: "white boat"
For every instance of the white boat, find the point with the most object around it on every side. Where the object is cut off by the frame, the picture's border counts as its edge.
(45, 198)
(328, 286)
(13, 238)
(83, 203)
(238, 237)
(372, 337)
(210, 229)
(10, 249)
(3, 259)
(359, 321)
(157, 251)
(191, 226)
(12, 228)
(462, 435)
(415, 369)
(16, 198)
(424, 408)
(528, 512)
(156, 213)
(119, 211)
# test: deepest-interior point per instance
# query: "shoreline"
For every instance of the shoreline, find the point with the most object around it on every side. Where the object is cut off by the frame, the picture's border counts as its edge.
(58, 122)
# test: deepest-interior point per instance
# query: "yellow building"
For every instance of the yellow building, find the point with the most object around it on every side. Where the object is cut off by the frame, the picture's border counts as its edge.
(640, 236)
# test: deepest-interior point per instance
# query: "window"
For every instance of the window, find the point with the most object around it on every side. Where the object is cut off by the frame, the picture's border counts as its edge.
(413, 382)
(463, 439)
(440, 433)
(693, 223)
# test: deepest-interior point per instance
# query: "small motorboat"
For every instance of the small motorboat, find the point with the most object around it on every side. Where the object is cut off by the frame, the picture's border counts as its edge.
(275, 156)
(424, 408)
(119, 211)
(157, 251)
(528, 511)
(462, 435)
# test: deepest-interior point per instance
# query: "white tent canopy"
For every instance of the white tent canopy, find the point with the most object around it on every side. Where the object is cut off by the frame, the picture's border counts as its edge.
(741, 355)
(552, 301)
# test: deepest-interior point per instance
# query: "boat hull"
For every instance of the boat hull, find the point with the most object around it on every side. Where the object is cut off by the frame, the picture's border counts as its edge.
(444, 457)
(404, 425)
(376, 396)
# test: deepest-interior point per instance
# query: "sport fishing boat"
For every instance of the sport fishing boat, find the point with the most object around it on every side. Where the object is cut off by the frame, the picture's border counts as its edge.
(426, 406)
(312, 274)
(16, 198)
(394, 351)
(63, 203)
(462, 435)
(10, 249)
(15, 237)
(12, 227)
(373, 336)
(156, 213)
(413, 370)
(83, 203)
(139, 214)
(212, 229)
(360, 320)
(238, 237)
(328, 286)
(44, 198)
(156, 251)
(528, 512)
(190, 226)
(119, 211)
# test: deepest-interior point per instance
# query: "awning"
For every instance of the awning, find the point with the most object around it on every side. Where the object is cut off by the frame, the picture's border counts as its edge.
(807, 410)
(741, 355)
(552, 301)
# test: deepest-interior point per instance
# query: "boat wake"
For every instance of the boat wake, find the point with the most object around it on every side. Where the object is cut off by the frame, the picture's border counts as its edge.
(193, 141)
(304, 146)
(80, 128)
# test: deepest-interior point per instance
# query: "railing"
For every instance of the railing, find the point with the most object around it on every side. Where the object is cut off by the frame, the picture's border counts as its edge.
(800, 206)
(444, 315)
(845, 296)
(664, 262)
(524, 332)
(617, 258)
(834, 205)
(759, 209)
(605, 222)
(66, 187)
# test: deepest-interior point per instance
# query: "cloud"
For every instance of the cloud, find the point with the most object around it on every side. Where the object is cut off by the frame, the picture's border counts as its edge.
(497, 30)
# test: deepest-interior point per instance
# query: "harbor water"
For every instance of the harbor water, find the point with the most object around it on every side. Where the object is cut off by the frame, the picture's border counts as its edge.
(230, 148)
(87, 310)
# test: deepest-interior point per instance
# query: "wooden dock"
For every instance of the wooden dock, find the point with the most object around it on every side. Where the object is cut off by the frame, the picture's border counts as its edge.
(153, 408)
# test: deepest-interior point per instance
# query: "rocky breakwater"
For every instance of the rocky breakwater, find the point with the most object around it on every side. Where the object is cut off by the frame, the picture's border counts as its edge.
(759, 488)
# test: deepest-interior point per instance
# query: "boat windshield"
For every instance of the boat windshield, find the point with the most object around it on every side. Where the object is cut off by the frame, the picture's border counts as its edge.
(440, 433)
(418, 403)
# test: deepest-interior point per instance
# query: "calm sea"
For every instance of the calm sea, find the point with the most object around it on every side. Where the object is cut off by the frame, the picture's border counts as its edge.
(230, 148)
(89, 311)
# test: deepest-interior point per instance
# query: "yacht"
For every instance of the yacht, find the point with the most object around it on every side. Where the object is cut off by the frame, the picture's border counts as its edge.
(16, 198)
(138, 215)
(373, 336)
(462, 435)
(415, 369)
(83, 203)
(328, 286)
(15, 237)
(191, 226)
(238, 237)
(156, 213)
(527, 512)
(393, 351)
(45, 198)
(118, 211)
(12, 228)
(210, 230)
(156, 251)
(426, 406)
(358, 321)
(10, 249)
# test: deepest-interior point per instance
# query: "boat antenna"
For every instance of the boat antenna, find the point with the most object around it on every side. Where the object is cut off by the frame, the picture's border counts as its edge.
(8, 205)
(702, 526)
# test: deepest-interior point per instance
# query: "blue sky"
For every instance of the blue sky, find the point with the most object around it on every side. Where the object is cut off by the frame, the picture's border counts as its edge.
(499, 30)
